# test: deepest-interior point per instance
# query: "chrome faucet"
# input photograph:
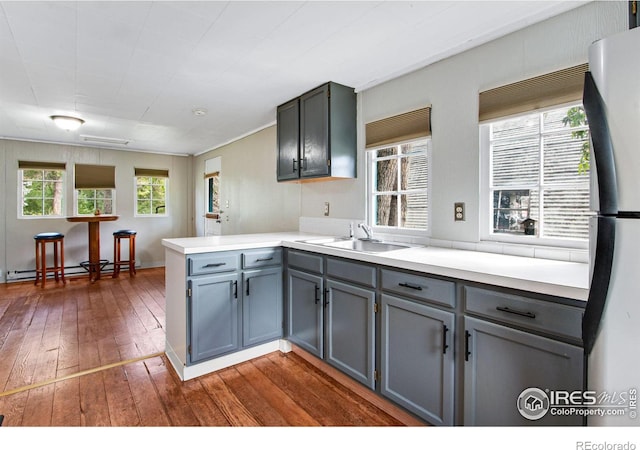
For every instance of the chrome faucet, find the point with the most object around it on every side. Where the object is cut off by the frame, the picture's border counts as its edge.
(367, 230)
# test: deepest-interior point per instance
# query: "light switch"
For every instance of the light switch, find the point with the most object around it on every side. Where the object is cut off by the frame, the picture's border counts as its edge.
(326, 208)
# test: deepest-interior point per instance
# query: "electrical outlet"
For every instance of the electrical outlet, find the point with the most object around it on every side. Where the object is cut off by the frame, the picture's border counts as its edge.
(458, 211)
(326, 208)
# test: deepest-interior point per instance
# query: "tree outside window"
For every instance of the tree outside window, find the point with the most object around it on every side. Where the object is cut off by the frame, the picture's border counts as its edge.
(151, 196)
(41, 192)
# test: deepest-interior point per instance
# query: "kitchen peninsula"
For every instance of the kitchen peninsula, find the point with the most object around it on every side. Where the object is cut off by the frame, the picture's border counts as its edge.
(233, 298)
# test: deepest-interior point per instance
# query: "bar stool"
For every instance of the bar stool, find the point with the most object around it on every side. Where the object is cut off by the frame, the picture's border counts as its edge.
(57, 239)
(118, 262)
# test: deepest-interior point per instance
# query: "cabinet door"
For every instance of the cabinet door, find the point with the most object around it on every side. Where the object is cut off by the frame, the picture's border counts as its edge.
(501, 362)
(314, 133)
(288, 130)
(304, 311)
(261, 306)
(213, 316)
(350, 336)
(417, 358)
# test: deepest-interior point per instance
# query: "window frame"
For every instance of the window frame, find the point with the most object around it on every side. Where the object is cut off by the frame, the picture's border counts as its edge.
(135, 197)
(487, 189)
(76, 198)
(371, 193)
(21, 198)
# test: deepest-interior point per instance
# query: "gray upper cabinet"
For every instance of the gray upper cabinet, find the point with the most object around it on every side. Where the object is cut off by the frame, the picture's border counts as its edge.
(288, 120)
(317, 134)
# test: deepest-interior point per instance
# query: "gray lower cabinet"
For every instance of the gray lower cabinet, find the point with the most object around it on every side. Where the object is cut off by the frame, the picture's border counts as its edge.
(417, 358)
(261, 306)
(350, 330)
(305, 310)
(235, 301)
(503, 360)
(214, 316)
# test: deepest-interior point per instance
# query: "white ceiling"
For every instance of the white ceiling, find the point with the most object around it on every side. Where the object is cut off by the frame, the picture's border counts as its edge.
(137, 70)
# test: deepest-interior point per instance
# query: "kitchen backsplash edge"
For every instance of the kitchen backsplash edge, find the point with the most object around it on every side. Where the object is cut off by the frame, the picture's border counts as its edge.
(340, 227)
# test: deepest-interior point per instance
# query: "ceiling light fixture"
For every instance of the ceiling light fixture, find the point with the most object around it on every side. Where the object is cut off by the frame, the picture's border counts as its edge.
(67, 123)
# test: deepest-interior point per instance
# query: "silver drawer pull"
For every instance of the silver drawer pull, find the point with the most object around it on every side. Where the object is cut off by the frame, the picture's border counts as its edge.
(206, 266)
(411, 286)
(264, 259)
(506, 309)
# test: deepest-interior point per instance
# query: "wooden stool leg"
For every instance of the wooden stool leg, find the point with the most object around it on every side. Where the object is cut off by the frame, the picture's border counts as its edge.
(37, 263)
(116, 257)
(62, 262)
(56, 262)
(43, 262)
(132, 255)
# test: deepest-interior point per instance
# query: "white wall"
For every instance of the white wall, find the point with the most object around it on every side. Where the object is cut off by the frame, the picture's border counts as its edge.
(16, 235)
(251, 198)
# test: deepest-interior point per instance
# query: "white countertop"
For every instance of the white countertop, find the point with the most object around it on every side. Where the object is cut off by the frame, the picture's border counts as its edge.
(557, 278)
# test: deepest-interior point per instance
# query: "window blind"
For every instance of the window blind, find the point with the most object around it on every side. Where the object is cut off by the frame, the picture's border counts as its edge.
(158, 173)
(41, 165)
(546, 90)
(90, 176)
(402, 127)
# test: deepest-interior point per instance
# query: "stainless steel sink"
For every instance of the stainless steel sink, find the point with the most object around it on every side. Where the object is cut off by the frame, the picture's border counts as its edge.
(361, 245)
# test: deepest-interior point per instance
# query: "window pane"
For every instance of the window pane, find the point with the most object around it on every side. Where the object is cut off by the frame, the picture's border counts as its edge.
(566, 213)
(32, 207)
(105, 206)
(387, 175)
(86, 206)
(510, 209)
(144, 207)
(33, 189)
(32, 174)
(414, 211)
(144, 192)
(516, 128)
(386, 152)
(158, 207)
(562, 154)
(386, 208)
(516, 163)
(414, 172)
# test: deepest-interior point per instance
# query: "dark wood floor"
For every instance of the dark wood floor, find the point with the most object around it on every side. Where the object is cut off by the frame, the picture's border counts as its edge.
(102, 343)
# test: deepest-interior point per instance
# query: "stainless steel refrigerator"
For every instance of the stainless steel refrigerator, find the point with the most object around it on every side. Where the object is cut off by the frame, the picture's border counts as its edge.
(611, 324)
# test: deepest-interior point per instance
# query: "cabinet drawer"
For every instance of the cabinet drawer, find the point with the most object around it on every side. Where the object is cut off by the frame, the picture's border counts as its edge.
(357, 273)
(212, 263)
(305, 261)
(419, 287)
(262, 258)
(540, 315)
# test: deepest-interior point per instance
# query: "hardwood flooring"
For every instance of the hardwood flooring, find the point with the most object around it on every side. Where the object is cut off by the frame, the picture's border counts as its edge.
(91, 355)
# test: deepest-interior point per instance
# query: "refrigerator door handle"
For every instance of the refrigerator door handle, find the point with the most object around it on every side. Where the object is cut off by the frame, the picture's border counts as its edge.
(603, 261)
(602, 146)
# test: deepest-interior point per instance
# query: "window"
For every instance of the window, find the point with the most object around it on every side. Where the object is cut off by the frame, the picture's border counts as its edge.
(41, 189)
(94, 189)
(398, 196)
(212, 187)
(538, 183)
(151, 192)
(398, 152)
